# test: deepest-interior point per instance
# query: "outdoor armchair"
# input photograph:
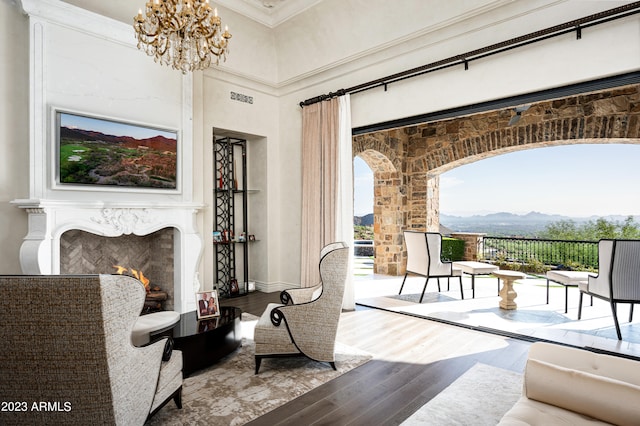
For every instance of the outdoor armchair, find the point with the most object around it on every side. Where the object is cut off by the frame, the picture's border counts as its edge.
(618, 279)
(424, 251)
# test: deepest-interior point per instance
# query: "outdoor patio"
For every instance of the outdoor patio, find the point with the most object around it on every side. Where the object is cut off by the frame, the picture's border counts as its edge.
(534, 318)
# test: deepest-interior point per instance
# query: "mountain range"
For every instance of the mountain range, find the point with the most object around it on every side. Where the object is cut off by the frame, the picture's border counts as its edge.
(158, 143)
(506, 218)
(504, 223)
(366, 220)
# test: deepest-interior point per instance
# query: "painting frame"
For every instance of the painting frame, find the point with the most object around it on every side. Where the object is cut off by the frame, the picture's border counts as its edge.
(207, 304)
(100, 153)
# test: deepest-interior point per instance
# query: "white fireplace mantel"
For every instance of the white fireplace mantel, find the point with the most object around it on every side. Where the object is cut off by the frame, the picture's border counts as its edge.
(49, 219)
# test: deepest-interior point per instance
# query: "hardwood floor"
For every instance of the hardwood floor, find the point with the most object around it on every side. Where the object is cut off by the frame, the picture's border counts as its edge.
(253, 303)
(413, 360)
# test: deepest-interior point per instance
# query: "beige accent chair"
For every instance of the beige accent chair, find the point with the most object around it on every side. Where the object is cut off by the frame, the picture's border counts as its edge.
(424, 250)
(618, 279)
(66, 341)
(308, 328)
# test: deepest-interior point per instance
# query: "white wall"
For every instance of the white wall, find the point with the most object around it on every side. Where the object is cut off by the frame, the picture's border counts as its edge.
(257, 122)
(605, 50)
(14, 132)
(332, 33)
(83, 62)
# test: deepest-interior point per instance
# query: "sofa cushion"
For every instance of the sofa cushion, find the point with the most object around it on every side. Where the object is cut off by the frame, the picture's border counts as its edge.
(569, 277)
(530, 412)
(597, 396)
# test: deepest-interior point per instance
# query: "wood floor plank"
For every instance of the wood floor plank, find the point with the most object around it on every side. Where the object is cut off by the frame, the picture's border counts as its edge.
(414, 359)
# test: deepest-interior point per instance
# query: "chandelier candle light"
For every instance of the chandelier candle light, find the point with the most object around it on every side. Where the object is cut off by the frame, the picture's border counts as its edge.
(185, 34)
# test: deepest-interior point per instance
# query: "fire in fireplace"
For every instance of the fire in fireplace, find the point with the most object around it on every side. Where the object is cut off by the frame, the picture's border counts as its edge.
(155, 296)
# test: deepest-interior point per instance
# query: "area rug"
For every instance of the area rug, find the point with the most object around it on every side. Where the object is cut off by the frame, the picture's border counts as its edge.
(481, 396)
(229, 393)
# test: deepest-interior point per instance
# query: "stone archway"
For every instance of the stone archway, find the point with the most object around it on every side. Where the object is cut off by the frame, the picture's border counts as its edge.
(421, 152)
(389, 195)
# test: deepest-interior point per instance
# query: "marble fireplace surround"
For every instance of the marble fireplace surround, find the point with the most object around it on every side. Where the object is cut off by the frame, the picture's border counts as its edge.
(48, 220)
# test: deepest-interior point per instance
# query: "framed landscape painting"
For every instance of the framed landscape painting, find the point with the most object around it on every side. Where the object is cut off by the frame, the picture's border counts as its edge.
(102, 152)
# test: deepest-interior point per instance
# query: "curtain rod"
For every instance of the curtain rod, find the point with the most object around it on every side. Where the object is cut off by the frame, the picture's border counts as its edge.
(463, 59)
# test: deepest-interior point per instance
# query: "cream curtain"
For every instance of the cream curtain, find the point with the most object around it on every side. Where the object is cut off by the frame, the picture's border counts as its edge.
(327, 186)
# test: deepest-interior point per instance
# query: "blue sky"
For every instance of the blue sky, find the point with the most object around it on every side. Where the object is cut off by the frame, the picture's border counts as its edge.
(111, 127)
(572, 180)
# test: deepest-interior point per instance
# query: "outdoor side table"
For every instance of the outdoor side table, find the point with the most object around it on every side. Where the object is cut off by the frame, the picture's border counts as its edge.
(507, 293)
(476, 268)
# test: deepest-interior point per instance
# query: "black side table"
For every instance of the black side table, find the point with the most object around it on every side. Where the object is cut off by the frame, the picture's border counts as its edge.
(205, 341)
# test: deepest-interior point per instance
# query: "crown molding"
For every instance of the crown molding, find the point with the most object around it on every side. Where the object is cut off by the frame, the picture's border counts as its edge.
(270, 17)
(70, 16)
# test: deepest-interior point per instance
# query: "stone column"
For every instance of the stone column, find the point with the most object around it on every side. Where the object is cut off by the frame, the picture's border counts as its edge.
(389, 221)
(473, 244)
(433, 203)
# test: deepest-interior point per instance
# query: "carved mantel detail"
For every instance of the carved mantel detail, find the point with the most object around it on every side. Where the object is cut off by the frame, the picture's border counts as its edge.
(124, 221)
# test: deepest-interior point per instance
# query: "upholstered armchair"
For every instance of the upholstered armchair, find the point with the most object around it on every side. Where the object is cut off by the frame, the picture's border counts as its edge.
(66, 342)
(424, 250)
(295, 296)
(618, 279)
(307, 328)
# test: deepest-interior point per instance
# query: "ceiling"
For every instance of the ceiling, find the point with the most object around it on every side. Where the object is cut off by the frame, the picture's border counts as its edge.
(268, 12)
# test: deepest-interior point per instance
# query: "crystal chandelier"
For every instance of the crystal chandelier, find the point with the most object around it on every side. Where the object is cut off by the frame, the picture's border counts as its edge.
(185, 34)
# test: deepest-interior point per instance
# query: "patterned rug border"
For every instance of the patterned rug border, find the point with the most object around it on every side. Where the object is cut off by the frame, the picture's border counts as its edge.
(229, 393)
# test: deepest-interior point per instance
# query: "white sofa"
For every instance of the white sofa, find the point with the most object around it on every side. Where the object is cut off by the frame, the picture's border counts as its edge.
(564, 385)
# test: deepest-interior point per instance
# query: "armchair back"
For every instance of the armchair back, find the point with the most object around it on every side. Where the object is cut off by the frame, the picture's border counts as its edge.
(424, 250)
(618, 270)
(314, 325)
(66, 341)
(625, 275)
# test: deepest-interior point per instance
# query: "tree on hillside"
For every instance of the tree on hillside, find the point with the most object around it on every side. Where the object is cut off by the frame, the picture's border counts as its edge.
(629, 229)
(361, 232)
(592, 230)
(561, 230)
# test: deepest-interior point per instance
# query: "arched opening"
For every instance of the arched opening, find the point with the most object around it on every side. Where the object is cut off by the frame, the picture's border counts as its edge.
(363, 218)
(362, 188)
(389, 218)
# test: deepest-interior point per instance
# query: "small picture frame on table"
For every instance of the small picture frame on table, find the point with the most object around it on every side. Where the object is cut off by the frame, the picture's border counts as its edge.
(234, 289)
(207, 305)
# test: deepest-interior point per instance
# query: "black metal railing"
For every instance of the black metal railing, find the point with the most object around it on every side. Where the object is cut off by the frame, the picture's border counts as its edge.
(578, 255)
(363, 248)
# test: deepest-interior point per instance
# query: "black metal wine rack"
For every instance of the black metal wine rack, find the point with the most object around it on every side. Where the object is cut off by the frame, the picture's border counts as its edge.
(230, 215)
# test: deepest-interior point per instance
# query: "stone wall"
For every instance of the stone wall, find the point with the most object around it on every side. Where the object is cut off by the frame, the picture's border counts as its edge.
(472, 244)
(407, 161)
